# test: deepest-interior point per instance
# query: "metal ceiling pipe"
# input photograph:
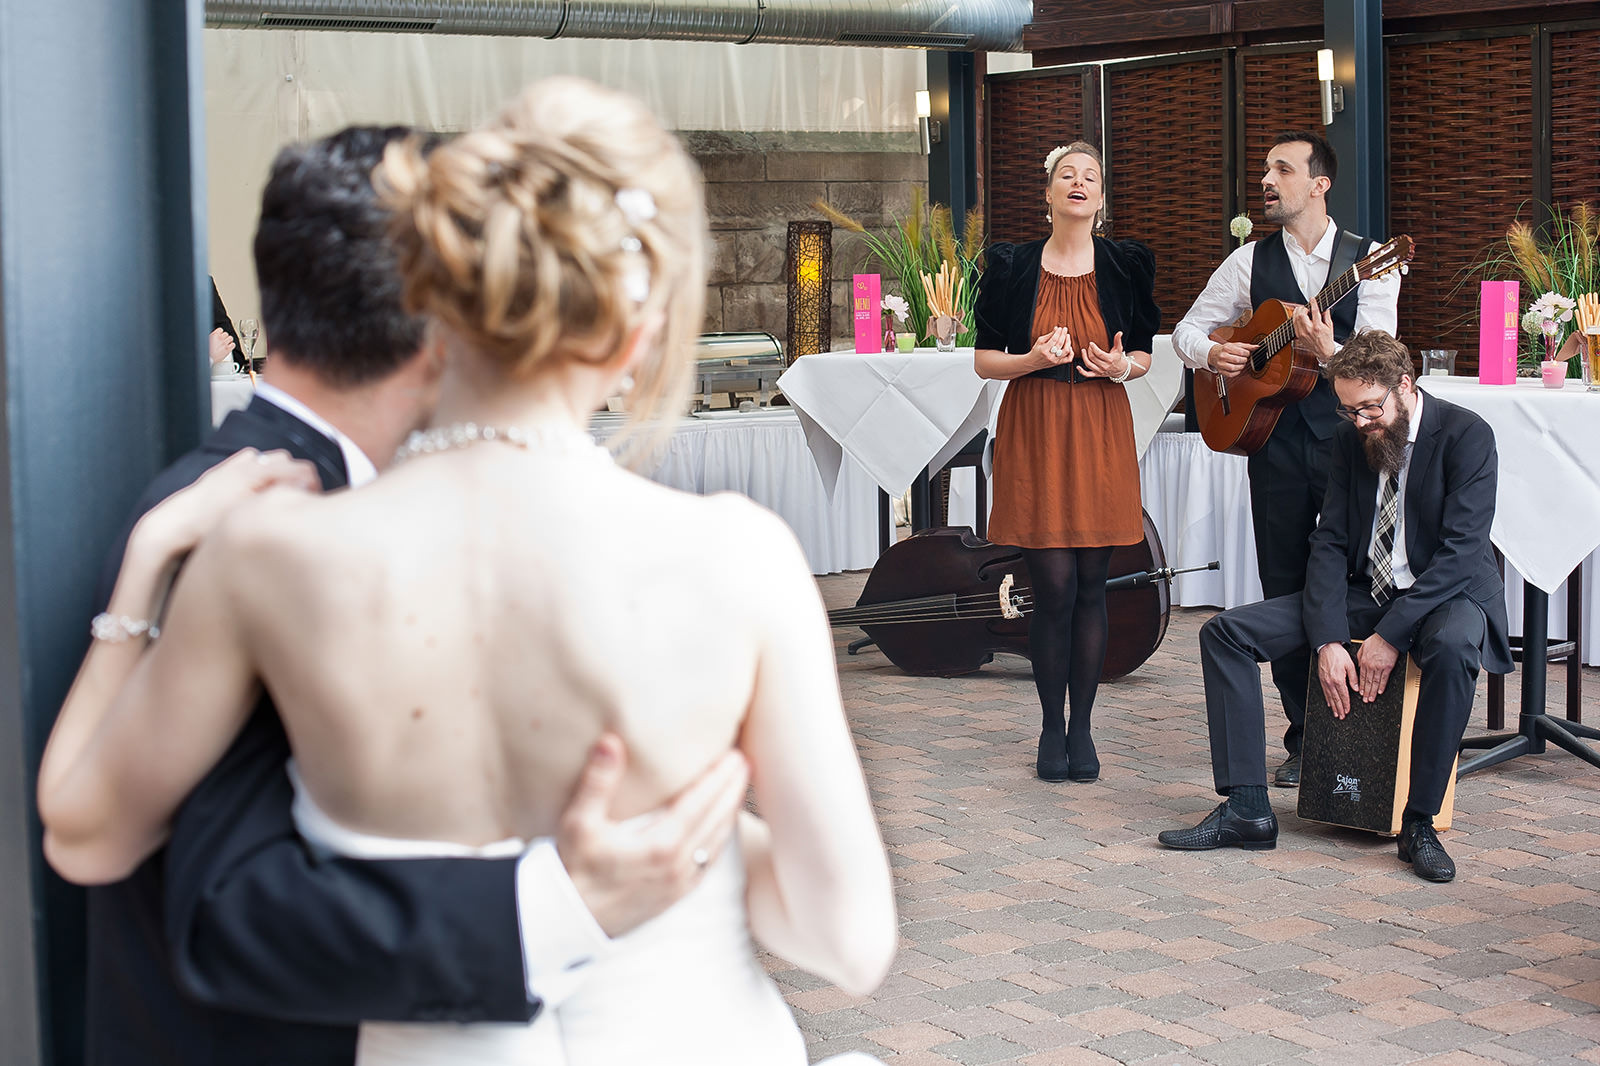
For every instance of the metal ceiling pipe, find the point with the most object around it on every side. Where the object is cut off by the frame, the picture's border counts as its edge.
(950, 25)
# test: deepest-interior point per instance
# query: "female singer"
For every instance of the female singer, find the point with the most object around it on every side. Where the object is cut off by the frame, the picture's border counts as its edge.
(1067, 320)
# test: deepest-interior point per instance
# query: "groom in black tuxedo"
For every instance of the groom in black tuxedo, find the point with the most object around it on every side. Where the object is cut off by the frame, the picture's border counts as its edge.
(240, 943)
(1401, 557)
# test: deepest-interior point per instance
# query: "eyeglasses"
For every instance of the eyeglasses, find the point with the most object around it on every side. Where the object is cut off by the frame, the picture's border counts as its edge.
(1370, 411)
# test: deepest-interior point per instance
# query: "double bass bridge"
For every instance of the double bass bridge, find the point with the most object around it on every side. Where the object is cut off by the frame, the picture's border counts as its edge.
(1010, 606)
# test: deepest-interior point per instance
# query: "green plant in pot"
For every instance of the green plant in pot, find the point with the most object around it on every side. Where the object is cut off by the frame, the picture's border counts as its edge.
(918, 244)
(1559, 259)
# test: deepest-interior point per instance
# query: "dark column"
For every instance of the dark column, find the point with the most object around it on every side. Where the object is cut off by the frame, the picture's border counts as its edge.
(104, 309)
(1354, 30)
(953, 158)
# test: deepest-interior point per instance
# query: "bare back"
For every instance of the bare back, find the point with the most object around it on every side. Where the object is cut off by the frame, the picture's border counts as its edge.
(445, 644)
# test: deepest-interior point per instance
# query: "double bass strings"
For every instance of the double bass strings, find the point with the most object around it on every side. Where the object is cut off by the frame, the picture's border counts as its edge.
(974, 605)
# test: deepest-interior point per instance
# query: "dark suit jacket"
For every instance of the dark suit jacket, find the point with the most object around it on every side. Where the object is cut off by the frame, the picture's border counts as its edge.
(1124, 273)
(1449, 507)
(238, 917)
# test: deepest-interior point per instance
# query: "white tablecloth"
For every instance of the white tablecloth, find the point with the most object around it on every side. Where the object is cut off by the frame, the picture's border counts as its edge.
(1547, 511)
(1199, 501)
(895, 413)
(903, 412)
(763, 455)
(229, 394)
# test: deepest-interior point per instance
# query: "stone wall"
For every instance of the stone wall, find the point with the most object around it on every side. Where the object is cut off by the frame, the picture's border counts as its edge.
(757, 183)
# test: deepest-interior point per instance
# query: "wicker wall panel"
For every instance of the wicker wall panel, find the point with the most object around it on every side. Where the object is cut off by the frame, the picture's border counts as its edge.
(1278, 91)
(1461, 144)
(1026, 118)
(1166, 125)
(1574, 116)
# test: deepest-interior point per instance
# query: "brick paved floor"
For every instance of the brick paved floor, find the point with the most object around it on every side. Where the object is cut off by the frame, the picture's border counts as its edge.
(1041, 924)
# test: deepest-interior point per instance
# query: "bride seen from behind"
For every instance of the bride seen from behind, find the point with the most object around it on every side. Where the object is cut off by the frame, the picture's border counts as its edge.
(401, 628)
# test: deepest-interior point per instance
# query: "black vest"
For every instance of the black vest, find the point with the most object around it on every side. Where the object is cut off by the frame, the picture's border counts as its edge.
(1272, 278)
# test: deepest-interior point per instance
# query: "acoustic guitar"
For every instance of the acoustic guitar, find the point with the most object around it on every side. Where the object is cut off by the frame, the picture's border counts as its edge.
(1237, 415)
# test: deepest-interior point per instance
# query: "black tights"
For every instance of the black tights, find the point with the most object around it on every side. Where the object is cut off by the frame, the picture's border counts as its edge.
(1067, 637)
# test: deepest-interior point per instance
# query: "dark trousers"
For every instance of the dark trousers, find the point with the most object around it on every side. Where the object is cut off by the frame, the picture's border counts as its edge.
(1447, 646)
(1288, 478)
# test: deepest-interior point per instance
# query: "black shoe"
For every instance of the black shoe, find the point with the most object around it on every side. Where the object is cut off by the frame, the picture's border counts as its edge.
(1419, 845)
(1223, 828)
(1052, 764)
(1287, 775)
(1084, 763)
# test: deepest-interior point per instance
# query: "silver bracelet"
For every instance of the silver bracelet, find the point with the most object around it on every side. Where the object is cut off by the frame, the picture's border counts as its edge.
(1127, 368)
(119, 628)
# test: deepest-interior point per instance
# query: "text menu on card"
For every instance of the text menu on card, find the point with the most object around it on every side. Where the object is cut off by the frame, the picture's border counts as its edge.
(866, 304)
(1497, 333)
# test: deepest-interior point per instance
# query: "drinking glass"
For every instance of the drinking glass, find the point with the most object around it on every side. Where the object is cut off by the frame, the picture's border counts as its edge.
(945, 328)
(249, 331)
(1438, 361)
(1591, 359)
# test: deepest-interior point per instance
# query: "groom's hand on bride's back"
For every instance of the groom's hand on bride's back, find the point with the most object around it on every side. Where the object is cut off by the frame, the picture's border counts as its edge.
(629, 872)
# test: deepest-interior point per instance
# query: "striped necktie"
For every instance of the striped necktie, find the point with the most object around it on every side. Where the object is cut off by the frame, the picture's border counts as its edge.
(1382, 553)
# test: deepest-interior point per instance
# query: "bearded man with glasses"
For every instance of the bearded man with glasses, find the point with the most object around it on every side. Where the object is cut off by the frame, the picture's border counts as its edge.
(1400, 557)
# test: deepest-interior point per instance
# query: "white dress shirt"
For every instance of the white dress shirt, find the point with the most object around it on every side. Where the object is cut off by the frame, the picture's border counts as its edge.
(559, 935)
(1403, 577)
(1227, 295)
(358, 469)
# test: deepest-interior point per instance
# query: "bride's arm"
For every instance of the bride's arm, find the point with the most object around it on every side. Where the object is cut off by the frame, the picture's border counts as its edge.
(144, 720)
(819, 891)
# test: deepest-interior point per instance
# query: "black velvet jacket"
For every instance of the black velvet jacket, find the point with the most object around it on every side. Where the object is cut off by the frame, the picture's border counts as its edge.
(1125, 274)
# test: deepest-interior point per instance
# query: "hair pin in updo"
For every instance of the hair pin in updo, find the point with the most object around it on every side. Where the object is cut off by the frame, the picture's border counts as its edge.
(637, 207)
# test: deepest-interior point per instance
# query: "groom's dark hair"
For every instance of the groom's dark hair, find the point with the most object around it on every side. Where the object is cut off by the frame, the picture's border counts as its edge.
(330, 282)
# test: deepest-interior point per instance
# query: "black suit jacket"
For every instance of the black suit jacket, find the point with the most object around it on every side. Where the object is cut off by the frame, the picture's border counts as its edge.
(238, 943)
(1449, 507)
(1124, 273)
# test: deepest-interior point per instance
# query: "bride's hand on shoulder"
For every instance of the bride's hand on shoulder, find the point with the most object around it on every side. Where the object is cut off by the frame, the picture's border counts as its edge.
(178, 523)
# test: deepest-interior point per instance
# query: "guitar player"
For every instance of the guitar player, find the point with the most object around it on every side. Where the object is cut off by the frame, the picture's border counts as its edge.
(1289, 474)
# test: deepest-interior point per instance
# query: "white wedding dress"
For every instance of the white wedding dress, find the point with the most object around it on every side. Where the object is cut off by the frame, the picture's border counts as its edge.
(683, 988)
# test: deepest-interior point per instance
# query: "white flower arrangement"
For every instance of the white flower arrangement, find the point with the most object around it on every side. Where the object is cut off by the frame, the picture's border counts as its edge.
(1553, 309)
(897, 306)
(1241, 227)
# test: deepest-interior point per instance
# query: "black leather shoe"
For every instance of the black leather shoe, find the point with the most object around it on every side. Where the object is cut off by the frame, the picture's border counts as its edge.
(1052, 764)
(1223, 828)
(1419, 845)
(1287, 775)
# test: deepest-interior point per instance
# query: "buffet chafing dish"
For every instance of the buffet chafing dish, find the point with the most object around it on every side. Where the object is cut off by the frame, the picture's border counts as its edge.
(737, 363)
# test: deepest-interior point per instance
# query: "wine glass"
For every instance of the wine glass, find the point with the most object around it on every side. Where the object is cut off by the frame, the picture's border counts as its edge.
(249, 330)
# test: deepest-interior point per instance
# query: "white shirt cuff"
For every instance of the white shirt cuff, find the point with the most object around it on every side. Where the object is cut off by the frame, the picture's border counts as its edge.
(560, 938)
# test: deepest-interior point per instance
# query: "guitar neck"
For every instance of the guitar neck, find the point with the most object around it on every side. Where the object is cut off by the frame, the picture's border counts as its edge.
(1278, 339)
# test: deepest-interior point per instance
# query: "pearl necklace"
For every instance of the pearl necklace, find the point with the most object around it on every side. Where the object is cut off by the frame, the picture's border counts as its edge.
(553, 439)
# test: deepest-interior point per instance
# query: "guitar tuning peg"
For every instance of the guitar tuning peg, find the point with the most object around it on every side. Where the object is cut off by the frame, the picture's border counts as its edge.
(1404, 270)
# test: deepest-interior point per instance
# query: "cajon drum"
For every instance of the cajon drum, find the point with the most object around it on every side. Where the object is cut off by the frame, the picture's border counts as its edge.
(1356, 772)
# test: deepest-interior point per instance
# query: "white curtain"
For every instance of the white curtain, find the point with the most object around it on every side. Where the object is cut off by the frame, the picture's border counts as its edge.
(266, 88)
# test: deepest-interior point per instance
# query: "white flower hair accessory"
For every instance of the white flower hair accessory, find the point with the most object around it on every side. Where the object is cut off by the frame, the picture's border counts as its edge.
(637, 207)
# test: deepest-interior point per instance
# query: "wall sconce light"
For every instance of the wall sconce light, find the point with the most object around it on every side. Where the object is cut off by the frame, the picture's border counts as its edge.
(930, 130)
(1332, 94)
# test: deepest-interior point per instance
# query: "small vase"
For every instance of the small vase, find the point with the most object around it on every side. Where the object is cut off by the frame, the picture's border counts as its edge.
(1554, 373)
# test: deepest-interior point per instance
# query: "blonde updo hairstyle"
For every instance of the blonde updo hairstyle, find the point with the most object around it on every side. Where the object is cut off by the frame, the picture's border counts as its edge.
(514, 238)
(1078, 148)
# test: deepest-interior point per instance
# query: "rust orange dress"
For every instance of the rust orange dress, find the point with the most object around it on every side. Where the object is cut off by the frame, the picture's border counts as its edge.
(1066, 470)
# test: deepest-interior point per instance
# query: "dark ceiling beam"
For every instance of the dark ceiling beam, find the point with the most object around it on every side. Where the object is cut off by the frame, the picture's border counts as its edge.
(1076, 31)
